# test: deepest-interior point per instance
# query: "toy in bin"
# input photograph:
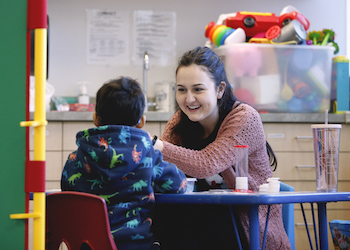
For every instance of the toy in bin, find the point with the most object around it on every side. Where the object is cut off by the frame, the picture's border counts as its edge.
(260, 27)
(340, 230)
(254, 23)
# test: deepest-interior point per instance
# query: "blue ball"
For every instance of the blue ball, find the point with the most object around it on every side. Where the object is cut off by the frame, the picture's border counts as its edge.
(295, 105)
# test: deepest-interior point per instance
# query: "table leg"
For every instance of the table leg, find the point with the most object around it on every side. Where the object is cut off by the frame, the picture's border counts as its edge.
(235, 228)
(322, 225)
(254, 227)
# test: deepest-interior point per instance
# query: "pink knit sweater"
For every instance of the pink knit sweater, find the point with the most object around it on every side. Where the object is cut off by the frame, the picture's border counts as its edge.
(242, 126)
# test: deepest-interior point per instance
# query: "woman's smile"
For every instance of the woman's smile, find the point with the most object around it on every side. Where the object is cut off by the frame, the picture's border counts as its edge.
(193, 108)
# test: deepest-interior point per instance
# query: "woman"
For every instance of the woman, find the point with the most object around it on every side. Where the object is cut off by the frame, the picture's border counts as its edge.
(201, 136)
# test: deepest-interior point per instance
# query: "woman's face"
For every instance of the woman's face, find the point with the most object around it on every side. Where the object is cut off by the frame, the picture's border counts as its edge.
(197, 94)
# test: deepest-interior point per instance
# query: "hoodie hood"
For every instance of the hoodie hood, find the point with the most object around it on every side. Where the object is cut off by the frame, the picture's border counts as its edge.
(113, 148)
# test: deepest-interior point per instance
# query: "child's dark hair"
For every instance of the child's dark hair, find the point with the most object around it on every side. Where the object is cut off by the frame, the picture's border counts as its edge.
(120, 102)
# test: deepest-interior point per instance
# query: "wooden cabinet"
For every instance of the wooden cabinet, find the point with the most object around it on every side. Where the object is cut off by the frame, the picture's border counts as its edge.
(293, 146)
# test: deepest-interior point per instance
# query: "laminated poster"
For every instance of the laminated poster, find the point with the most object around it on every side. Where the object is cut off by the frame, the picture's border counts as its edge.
(108, 37)
(154, 33)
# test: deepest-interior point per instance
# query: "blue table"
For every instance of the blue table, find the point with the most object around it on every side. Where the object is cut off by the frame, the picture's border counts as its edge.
(254, 200)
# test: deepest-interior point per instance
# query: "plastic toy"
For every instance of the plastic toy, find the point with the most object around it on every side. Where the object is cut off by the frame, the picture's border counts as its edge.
(314, 36)
(323, 38)
(295, 105)
(246, 60)
(292, 31)
(252, 22)
(221, 34)
(294, 15)
(301, 89)
(328, 37)
(259, 27)
(312, 102)
(257, 22)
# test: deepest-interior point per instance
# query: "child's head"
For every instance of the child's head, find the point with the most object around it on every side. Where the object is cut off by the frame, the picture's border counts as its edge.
(120, 102)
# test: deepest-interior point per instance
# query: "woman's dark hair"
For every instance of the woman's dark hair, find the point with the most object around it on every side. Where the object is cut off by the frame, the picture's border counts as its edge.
(120, 102)
(204, 57)
(272, 157)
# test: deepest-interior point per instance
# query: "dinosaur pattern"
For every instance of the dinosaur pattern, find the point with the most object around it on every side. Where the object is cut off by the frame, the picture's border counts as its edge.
(93, 155)
(73, 178)
(106, 196)
(137, 186)
(136, 156)
(103, 143)
(120, 164)
(147, 162)
(115, 158)
(146, 143)
(98, 182)
(124, 135)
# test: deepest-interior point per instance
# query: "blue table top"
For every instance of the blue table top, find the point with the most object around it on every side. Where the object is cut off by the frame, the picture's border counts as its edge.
(233, 198)
(228, 197)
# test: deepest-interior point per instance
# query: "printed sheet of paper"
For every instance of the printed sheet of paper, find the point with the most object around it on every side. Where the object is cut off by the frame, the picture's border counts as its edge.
(108, 37)
(154, 33)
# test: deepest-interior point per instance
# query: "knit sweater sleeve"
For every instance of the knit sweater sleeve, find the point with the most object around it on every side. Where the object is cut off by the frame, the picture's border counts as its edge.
(242, 126)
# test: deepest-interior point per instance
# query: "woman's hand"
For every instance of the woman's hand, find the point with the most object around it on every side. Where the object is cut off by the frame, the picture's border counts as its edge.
(159, 145)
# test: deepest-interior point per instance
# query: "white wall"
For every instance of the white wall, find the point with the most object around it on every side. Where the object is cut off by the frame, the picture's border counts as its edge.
(67, 53)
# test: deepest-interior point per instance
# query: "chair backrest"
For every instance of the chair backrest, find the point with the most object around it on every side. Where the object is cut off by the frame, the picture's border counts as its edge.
(76, 218)
(288, 215)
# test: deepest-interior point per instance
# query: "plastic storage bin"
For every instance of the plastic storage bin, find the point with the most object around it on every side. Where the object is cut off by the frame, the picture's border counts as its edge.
(280, 78)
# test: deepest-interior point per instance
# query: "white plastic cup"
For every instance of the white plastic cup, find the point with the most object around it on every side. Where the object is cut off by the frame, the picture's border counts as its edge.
(264, 188)
(190, 185)
(326, 140)
(274, 185)
(241, 183)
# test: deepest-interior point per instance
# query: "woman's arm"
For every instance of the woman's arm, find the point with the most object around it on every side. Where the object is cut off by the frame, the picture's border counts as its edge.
(242, 126)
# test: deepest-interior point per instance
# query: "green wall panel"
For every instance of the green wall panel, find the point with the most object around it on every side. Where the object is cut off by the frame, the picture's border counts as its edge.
(13, 19)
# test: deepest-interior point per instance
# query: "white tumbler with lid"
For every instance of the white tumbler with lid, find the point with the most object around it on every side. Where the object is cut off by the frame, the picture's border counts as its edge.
(241, 167)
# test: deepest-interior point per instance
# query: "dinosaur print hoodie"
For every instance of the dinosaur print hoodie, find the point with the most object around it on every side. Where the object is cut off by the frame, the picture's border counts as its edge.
(120, 164)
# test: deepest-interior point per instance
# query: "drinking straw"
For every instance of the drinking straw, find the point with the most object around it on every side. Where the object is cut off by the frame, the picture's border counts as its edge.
(325, 140)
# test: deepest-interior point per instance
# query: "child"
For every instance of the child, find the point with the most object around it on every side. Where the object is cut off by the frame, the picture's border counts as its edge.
(117, 161)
